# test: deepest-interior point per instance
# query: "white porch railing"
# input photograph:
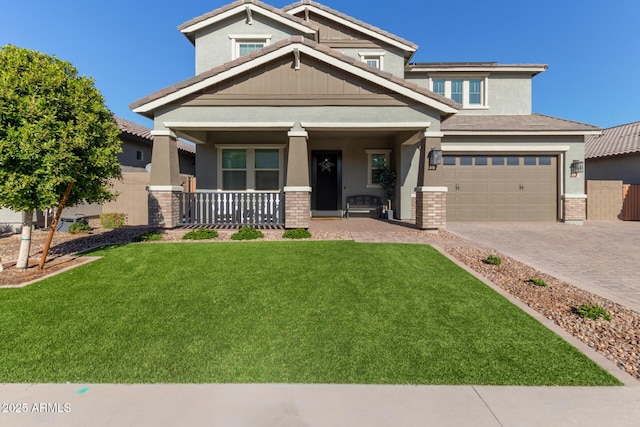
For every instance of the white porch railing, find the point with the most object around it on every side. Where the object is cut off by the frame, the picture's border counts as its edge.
(231, 209)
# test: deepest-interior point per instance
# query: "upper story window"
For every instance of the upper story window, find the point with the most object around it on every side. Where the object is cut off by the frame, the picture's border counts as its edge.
(470, 92)
(244, 44)
(372, 59)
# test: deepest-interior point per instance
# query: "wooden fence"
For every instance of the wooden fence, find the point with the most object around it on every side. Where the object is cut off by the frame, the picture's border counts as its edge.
(631, 202)
(612, 200)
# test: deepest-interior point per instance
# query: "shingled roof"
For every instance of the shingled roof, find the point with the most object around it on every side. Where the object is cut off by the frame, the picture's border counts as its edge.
(351, 20)
(220, 11)
(134, 129)
(280, 45)
(615, 141)
(513, 123)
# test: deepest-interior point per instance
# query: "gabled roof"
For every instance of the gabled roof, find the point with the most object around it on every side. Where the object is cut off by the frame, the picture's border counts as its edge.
(538, 124)
(623, 139)
(321, 52)
(241, 6)
(134, 129)
(443, 67)
(352, 23)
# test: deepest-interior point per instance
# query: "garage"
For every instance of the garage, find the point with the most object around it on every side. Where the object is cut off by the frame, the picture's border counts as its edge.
(501, 187)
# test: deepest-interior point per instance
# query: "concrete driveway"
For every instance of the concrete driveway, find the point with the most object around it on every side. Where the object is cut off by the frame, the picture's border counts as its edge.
(600, 257)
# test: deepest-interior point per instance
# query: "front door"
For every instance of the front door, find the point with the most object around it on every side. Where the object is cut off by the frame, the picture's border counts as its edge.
(327, 181)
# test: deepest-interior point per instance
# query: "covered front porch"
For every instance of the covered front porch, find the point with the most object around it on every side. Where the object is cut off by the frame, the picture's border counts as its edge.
(283, 176)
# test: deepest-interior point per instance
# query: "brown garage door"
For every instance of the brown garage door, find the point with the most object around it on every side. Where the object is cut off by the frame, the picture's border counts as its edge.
(487, 188)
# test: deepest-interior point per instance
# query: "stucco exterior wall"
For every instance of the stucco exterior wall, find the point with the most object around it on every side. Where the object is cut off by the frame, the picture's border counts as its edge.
(214, 47)
(128, 155)
(625, 168)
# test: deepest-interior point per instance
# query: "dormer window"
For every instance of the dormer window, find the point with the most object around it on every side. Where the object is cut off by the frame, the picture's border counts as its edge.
(372, 59)
(245, 44)
(471, 92)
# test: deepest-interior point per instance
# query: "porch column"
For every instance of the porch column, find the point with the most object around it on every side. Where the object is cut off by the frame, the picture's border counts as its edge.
(164, 182)
(431, 194)
(297, 190)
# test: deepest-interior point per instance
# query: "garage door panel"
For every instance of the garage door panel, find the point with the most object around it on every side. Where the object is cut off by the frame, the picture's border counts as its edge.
(502, 192)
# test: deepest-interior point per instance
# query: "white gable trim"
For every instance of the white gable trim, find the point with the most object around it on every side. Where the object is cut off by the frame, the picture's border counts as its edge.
(352, 69)
(352, 25)
(243, 9)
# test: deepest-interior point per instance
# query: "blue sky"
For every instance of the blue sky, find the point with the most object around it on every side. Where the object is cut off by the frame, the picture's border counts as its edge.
(132, 48)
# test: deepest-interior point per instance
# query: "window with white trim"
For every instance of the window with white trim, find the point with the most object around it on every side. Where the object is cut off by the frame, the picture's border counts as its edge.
(250, 168)
(470, 92)
(377, 161)
(372, 59)
(242, 44)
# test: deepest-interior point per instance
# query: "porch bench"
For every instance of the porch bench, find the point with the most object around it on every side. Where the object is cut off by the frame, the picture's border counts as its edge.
(364, 204)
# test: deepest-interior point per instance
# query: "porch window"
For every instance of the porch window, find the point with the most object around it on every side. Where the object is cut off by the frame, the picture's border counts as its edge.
(378, 160)
(250, 168)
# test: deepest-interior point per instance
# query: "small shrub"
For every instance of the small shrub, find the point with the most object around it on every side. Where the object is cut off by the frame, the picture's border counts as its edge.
(200, 234)
(298, 233)
(537, 282)
(112, 220)
(79, 227)
(247, 233)
(148, 237)
(593, 311)
(494, 260)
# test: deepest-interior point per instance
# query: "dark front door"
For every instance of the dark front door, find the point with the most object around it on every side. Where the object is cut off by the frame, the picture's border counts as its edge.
(327, 180)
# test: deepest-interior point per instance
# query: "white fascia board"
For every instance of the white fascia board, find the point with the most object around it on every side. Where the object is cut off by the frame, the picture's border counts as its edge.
(504, 148)
(521, 133)
(352, 25)
(367, 75)
(227, 125)
(364, 125)
(241, 9)
(498, 69)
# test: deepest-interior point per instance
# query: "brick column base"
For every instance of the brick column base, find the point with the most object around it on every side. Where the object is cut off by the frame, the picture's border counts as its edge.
(431, 208)
(164, 207)
(297, 208)
(574, 208)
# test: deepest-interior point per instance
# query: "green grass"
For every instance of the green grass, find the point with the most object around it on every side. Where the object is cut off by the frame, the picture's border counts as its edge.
(277, 312)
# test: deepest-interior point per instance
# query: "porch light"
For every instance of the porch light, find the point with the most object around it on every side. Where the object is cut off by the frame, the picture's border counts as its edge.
(577, 167)
(435, 157)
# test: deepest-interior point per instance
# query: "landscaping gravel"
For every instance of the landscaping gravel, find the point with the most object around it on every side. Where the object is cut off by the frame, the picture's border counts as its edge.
(617, 339)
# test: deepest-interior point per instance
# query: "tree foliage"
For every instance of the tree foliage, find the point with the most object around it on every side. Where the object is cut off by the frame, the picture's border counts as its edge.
(55, 129)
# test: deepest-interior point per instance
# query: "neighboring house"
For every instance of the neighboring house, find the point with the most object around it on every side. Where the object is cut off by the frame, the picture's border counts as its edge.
(614, 155)
(136, 154)
(293, 110)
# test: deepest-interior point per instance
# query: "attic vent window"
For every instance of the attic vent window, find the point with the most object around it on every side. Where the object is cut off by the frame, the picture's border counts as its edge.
(244, 44)
(372, 59)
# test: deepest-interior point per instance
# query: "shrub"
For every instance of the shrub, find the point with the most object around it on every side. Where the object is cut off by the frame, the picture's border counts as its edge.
(298, 233)
(492, 259)
(79, 227)
(200, 234)
(593, 311)
(147, 237)
(247, 233)
(112, 220)
(537, 282)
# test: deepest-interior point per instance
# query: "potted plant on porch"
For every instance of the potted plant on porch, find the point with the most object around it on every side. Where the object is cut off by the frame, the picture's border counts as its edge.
(387, 179)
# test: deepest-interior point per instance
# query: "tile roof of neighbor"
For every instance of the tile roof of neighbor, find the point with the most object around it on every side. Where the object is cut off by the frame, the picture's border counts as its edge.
(235, 4)
(352, 20)
(505, 123)
(278, 45)
(615, 141)
(143, 132)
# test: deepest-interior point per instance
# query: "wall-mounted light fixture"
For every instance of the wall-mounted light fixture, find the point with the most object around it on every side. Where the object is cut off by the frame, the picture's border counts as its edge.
(577, 167)
(435, 157)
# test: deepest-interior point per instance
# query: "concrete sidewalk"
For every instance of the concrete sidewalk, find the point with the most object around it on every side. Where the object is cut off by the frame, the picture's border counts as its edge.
(318, 405)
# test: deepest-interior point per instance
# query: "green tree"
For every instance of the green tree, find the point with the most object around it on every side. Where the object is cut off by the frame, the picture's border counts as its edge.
(58, 140)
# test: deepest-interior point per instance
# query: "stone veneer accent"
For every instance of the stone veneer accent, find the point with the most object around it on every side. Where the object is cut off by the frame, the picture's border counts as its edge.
(163, 208)
(297, 209)
(431, 208)
(574, 208)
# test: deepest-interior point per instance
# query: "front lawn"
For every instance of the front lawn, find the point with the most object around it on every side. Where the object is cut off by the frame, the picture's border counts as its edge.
(277, 312)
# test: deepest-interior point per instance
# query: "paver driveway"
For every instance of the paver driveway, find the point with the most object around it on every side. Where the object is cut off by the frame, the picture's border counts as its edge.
(600, 257)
